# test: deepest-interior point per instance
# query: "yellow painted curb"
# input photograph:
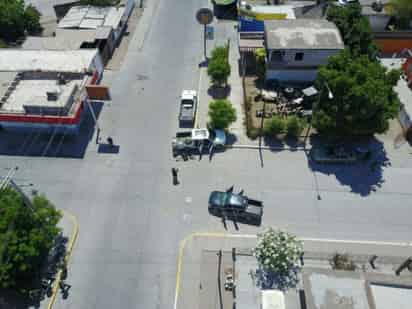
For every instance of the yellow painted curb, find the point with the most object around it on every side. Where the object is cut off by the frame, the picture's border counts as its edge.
(68, 256)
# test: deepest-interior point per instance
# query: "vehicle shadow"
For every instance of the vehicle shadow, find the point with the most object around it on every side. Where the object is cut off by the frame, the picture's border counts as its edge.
(364, 176)
(52, 144)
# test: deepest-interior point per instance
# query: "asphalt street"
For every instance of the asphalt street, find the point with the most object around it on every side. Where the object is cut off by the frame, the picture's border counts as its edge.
(132, 218)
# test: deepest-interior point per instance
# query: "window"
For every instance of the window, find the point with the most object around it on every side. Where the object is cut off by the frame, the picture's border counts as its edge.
(299, 56)
(277, 55)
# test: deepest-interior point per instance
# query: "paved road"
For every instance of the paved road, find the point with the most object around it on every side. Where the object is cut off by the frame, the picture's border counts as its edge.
(131, 217)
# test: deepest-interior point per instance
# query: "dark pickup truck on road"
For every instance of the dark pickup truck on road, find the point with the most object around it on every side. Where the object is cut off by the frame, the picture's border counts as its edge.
(237, 207)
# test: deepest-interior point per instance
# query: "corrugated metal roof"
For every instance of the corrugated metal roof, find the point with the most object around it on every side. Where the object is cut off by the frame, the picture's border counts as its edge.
(89, 23)
(74, 17)
(96, 12)
(114, 17)
(103, 32)
(46, 60)
(91, 17)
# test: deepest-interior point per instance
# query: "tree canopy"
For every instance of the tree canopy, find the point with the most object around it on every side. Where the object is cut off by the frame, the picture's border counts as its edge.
(219, 68)
(354, 28)
(222, 114)
(278, 251)
(363, 97)
(26, 235)
(402, 9)
(15, 19)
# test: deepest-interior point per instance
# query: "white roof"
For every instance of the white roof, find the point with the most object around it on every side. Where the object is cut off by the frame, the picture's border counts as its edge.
(114, 17)
(89, 23)
(74, 17)
(273, 299)
(188, 94)
(46, 60)
(91, 17)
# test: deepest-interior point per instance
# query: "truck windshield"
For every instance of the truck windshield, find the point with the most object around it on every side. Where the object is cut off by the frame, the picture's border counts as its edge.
(187, 102)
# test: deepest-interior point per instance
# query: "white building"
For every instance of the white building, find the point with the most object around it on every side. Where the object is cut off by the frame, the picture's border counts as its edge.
(44, 90)
(297, 47)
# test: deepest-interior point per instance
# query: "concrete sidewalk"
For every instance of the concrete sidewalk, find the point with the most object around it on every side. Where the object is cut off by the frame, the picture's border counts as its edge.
(188, 279)
(225, 33)
(70, 228)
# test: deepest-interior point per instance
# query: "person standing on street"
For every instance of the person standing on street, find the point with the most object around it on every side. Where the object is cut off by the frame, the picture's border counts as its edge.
(175, 170)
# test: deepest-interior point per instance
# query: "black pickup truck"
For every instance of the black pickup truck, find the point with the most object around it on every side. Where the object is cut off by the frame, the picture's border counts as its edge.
(237, 207)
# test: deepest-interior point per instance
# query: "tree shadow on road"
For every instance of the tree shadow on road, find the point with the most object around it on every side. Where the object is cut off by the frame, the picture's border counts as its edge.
(364, 176)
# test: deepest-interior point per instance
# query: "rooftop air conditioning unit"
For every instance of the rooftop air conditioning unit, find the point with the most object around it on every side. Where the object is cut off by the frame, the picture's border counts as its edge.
(52, 95)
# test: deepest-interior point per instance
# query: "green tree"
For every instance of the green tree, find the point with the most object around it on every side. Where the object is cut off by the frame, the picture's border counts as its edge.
(11, 19)
(278, 251)
(15, 19)
(294, 126)
(32, 20)
(219, 71)
(222, 114)
(26, 235)
(219, 68)
(260, 56)
(363, 97)
(274, 126)
(354, 28)
(402, 9)
(220, 52)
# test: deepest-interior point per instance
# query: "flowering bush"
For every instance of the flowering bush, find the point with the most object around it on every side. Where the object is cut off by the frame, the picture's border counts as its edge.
(278, 251)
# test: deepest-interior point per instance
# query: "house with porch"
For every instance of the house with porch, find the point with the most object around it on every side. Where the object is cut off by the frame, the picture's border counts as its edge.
(296, 48)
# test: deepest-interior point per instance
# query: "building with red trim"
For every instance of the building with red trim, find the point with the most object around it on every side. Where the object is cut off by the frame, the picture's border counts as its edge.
(44, 90)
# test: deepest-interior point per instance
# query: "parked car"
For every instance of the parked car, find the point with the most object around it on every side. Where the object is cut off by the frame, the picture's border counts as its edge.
(188, 107)
(237, 207)
(333, 154)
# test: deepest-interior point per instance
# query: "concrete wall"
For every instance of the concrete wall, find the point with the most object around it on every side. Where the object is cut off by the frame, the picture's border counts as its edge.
(40, 127)
(311, 58)
(294, 75)
(378, 22)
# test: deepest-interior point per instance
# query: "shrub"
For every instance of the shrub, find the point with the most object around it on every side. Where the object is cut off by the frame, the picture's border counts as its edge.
(221, 113)
(32, 20)
(342, 262)
(274, 126)
(219, 71)
(278, 251)
(220, 52)
(294, 126)
(219, 67)
(260, 56)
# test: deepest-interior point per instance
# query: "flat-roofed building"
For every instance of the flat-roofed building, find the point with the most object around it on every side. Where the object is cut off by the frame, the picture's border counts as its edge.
(297, 47)
(45, 90)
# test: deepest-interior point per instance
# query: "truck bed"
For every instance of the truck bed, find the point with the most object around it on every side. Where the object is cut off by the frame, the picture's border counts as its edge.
(255, 202)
